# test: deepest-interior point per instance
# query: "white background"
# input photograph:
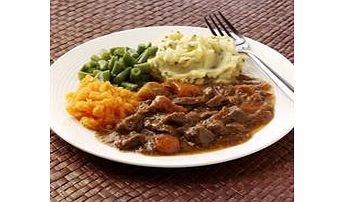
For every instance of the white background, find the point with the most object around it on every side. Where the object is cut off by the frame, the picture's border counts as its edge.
(24, 94)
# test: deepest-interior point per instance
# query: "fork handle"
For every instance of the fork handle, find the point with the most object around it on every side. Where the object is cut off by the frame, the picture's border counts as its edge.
(287, 88)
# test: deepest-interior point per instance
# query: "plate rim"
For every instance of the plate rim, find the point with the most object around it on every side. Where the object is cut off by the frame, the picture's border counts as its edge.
(57, 131)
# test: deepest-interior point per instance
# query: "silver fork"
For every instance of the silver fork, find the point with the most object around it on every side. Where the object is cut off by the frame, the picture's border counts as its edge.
(243, 47)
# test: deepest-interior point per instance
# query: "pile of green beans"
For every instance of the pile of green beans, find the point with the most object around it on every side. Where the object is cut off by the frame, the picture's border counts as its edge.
(122, 66)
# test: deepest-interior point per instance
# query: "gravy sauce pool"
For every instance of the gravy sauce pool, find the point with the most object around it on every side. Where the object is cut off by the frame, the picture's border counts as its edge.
(177, 118)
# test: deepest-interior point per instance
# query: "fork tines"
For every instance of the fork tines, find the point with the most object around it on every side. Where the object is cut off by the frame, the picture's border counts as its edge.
(230, 31)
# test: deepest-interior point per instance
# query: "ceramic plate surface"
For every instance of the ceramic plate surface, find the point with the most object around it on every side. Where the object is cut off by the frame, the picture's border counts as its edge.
(64, 79)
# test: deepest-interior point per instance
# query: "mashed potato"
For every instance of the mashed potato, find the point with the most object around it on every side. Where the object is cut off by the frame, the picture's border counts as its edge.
(99, 105)
(194, 58)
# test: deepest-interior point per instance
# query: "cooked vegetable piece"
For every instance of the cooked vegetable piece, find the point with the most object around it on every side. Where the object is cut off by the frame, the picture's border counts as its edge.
(95, 72)
(91, 64)
(112, 51)
(111, 62)
(167, 144)
(152, 89)
(93, 100)
(135, 74)
(140, 48)
(122, 76)
(84, 68)
(128, 59)
(117, 67)
(185, 89)
(105, 55)
(103, 65)
(120, 51)
(103, 76)
(82, 75)
(129, 86)
(150, 51)
(144, 67)
(95, 58)
(133, 53)
(122, 64)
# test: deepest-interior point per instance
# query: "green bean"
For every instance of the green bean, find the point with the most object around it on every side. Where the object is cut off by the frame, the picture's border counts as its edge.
(84, 68)
(95, 72)
(91, 65)
(117, 67)
(129, 86)
(122, 65)
(133, 53)
(104, 76)
(105, 55)
(82, 75)
(144, 67)
(103, 65)
(122, 76)
(140, 48)
(112, 51)
(151, 51)
(95, 58)
(128, 59)
(111, 62)
(135, 75)
(120, 51)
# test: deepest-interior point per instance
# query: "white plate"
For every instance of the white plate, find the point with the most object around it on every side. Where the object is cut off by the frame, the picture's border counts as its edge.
(64, 79)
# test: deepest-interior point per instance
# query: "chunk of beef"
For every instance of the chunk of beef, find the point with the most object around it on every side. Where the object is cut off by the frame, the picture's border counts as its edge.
(208, 92)
(224, 89)
(131, 141)
(156, 123)
(200, 135)
(206, 114)
(234, 100)
(217, 100)
(253, 103)
(182, 119)
(192, 118)
(180, 131)
(152, 89)
(143, 107)
(230, 114)
(147, 132)
(190, 101)
(244, 89)
(260, 117)
(176, 118)
(215, 126)
(219, 128)
(130, 123)
(236, 129)
(166, 144)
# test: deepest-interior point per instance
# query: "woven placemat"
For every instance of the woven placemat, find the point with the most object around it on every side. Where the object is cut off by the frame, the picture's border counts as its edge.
(77, 176)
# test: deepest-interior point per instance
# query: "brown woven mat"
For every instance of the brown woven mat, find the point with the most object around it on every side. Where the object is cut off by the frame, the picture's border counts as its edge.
(78, 176)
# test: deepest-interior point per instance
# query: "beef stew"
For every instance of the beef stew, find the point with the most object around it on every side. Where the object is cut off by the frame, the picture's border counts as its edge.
(179, 118)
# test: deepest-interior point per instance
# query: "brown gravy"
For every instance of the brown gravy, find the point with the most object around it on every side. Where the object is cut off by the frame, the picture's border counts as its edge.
(176, 118)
